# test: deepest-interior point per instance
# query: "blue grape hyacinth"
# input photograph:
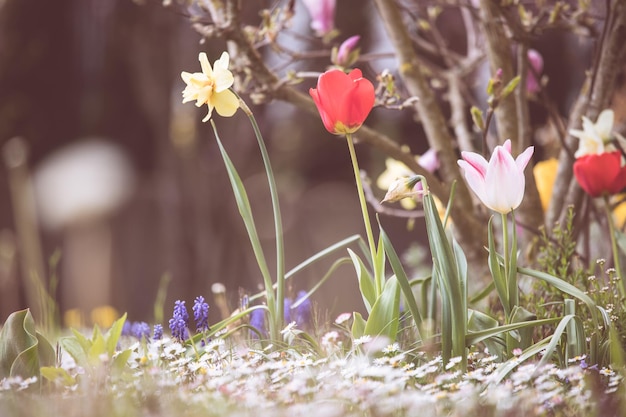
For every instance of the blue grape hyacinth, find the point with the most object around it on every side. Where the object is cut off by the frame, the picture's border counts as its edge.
(201, 314)
(178, 322)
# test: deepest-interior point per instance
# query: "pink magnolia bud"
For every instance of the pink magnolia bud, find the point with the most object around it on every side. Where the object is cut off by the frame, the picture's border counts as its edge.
(536, 67)
(344, 58)
(322, 15)
(429, 161)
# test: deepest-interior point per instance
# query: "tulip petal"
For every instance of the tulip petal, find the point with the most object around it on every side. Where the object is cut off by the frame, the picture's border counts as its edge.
(475, 179)
(505, 183)
(522, 159)
(476, 161)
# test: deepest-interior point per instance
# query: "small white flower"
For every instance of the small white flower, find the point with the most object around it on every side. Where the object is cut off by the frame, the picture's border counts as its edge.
(342, 318)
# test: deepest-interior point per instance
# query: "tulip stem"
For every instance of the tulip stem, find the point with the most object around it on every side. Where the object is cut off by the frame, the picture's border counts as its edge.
(365, 214)
(616, 254)
(505, 252)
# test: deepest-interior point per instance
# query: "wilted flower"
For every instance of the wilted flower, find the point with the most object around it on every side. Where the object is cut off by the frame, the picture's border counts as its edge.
(400, 189)
(499, 183)
(343, 100)
(395, 179)
(595, 137)
(211, 87)
(178, 322)
(322, 15)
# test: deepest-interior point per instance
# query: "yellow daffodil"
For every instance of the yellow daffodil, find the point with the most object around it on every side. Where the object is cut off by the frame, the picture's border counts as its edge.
(595, 137)
(104, 316)
(211, 87)
(545, 175)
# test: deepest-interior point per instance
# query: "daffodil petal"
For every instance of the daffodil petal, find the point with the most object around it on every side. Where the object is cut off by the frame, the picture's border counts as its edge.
(226, 103)
(205, 65)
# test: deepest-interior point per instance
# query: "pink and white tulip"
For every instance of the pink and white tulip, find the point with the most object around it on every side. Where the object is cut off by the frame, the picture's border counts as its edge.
(499, 183)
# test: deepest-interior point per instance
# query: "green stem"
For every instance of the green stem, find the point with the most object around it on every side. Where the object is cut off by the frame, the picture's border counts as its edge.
(278, 228)
(507, 261)
(365, 214)
(616, 260)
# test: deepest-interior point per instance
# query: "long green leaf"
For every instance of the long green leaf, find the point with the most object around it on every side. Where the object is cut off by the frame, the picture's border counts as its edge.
(499, 280)
(366, 282)
(384, 317)
(403, 280)
(449, 281)
(243, 204)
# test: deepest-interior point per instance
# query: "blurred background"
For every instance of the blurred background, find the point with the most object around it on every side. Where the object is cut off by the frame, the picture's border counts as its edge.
(129, 186)
(110, 184)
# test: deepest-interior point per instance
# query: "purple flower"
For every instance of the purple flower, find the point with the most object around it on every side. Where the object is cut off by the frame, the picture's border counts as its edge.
(322, 15)
(140, 329)
(344, 58)
(287, 312)
(536, 67)
(257, 320)
(158, 332)
(126, 328)
(303, 311)
(201, 314)
(179, 320)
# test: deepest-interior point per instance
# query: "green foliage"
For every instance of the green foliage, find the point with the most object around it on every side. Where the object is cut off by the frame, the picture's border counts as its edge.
(91, 353)
(23, 350)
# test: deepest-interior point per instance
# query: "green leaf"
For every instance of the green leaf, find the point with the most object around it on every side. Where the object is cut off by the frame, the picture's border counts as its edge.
(245, 210)
(403, 280)
(73, 347)
(113, 335)
(98, 346)
(478, 322)
(22, 349)
(82, 340)
(54, 374)
(519, 315)
(617, 352)
(366, 282)
(384, 317)
(358, 325)
(450, 283)
(497, 274)
(477, 118)
(508, 89)
(120, 360)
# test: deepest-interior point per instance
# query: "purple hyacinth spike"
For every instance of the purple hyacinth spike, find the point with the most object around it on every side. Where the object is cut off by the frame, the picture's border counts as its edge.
(178, 322)
(158, 332)
(140, 329)
(303, 311)
(201, 314)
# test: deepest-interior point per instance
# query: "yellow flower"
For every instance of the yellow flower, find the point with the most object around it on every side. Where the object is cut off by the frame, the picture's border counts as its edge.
(74, 318)
(104, 316)
(545, 175)
(395, 170)
(211, 87)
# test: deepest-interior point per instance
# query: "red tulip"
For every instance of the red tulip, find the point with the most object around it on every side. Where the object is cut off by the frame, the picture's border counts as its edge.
(343, 100)
(601, 173)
